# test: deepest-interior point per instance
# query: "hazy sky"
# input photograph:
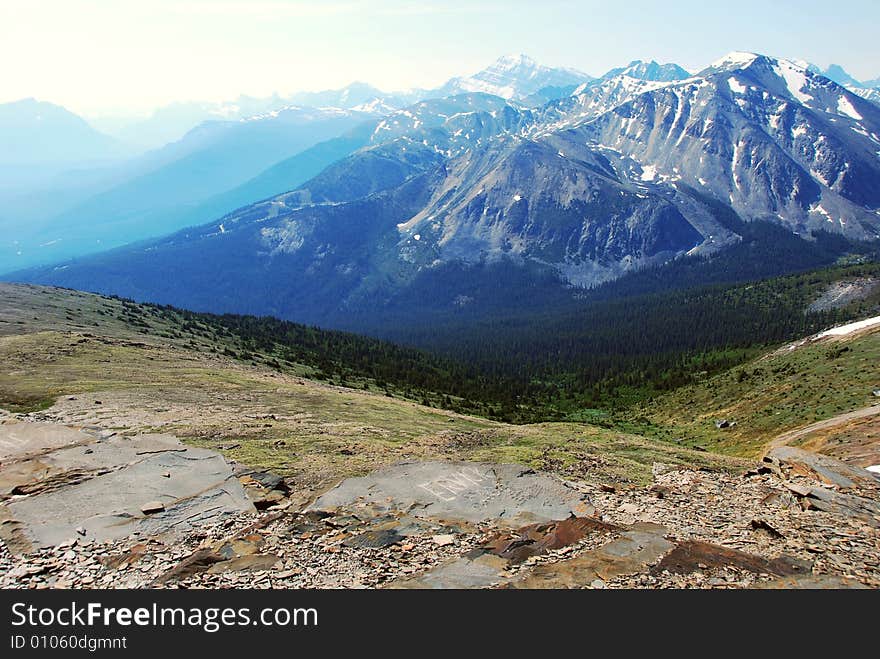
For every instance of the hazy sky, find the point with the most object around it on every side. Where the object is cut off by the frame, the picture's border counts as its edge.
(105, 56)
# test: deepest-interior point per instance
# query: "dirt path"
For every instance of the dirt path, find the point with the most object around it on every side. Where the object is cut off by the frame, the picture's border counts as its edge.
(786, 438)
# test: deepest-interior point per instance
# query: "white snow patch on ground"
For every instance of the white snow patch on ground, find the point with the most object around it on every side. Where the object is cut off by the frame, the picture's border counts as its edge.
(845, 106)
(417, 237)
(845, 330)
(737, 147)
(649, 172)
(818, 176)
(517, 197)
(795, 79)
(874, 469)
(738, 58)
(736, 86)
(821, 209)
(798, 131)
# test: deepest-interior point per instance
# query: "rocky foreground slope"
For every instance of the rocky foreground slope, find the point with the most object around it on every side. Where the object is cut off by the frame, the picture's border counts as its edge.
(797, 519)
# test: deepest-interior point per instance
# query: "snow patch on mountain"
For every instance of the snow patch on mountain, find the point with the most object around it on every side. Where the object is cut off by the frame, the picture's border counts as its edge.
(845, 106)
(795, 79)
(736, 86)
(649, 172)
(735, 59)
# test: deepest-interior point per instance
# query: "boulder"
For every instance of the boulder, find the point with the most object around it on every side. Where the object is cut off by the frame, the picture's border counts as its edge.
(152, 507)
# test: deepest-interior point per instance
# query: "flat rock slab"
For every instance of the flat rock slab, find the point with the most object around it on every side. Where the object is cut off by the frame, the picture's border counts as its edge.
(19, 440)
(693, 555)
(463, 572)
(473, 492)
(827, 469)
(31, 473)
(252, 563)
(632, 553)
(538, 539)
(61, 483)
(847, 505)
(811, 582)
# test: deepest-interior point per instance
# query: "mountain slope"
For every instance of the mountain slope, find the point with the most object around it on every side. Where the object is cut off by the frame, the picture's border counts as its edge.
(306, 403)
(814, 379)
(288, 174)
(872, 95)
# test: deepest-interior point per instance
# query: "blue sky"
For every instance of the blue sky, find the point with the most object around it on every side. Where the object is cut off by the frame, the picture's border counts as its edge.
(106, 56)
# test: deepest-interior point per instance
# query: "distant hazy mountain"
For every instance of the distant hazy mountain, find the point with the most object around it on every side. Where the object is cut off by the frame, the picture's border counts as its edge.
(165, 190)
(624, 174)
(50, 158)
(837, 73)
(512, 77)
(38, 133)
(357, 95)
(171, 122)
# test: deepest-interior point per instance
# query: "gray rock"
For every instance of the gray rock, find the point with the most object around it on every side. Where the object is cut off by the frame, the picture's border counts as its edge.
(443, 540)
(480, 571)
(374, 539)
(473, 492)
(102, 494)
(827, 469)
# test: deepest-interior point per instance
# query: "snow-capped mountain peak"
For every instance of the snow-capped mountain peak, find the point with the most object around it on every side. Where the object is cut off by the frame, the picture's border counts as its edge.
(514, 77)
(735, 60)
(511, 62)
(650, 71)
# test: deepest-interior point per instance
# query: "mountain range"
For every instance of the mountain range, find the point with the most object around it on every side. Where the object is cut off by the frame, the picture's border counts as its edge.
(160, 191)
(512, 77)
(74, 198)
(457, 202)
